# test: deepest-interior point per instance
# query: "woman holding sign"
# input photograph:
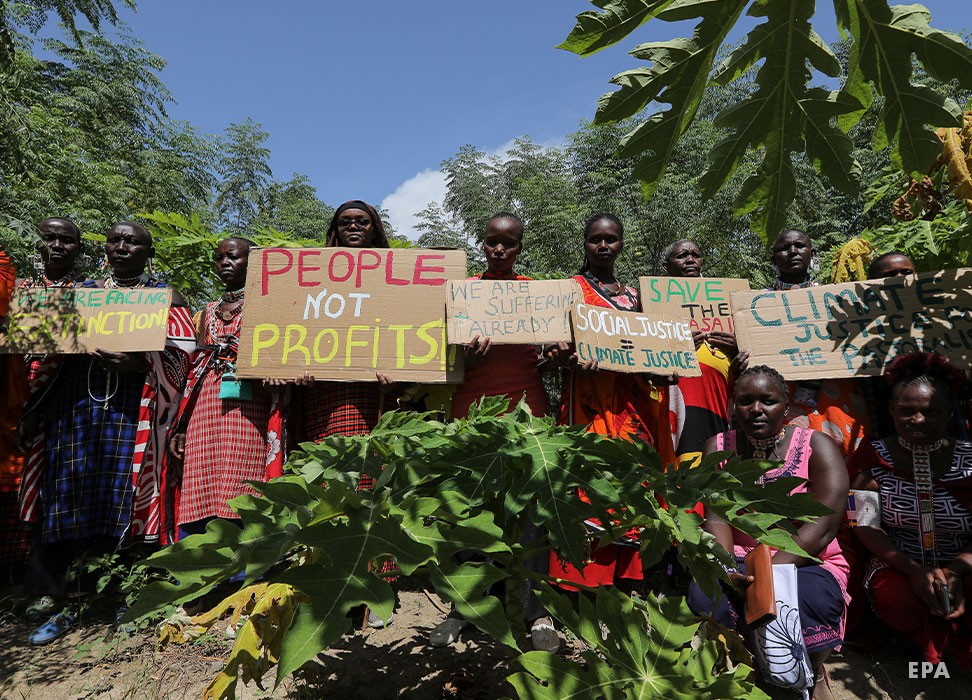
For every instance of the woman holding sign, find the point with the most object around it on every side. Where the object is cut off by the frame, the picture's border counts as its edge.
(626, 406)
(511, 371)
(228, 431)
(347, 408)
(106, 418)
(918, 528)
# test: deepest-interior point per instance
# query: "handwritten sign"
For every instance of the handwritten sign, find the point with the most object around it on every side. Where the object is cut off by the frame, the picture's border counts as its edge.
(345, 313)
(857, 328)
(511, 311)
(70, 321)
(625, 341)
(707, 300)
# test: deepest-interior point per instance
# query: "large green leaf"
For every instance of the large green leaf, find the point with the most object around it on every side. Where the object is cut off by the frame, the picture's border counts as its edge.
(885, 40)
(782, 117)
(678, 76)
(596, 30)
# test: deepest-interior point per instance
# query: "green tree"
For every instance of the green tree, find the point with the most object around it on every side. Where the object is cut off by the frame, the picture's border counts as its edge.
(786, 115)
(294, 207)
(34, 14)
(244, 169)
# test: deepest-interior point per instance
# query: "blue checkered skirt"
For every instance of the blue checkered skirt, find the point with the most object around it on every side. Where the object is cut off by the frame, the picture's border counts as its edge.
(86, 489)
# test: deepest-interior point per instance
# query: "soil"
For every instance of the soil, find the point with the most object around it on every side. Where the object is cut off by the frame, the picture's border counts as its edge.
(92, 662)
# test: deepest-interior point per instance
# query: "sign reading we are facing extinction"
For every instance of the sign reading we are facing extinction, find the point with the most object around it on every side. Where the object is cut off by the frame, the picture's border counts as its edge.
(80, 320)
(857, 328)
(345, 313)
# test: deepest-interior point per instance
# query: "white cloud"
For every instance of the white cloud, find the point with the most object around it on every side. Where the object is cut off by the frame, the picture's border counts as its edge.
(418, 191)
(411, 197)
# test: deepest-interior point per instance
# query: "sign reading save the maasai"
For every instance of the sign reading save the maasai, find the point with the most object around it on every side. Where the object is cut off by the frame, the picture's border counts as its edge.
(706, 299)
(627, 341)
(511, 311)
(857, 328)
(79, 320)
(345, 313)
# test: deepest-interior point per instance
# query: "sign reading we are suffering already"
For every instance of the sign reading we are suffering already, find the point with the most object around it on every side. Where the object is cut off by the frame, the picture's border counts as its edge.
(345, 313)
(627, 341)
(511, 311)
(79, 320)
(857, 328)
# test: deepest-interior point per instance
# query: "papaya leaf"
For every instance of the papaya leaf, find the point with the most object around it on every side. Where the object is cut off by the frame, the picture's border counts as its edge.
(597, 30)
(465, 586)
(885, 39)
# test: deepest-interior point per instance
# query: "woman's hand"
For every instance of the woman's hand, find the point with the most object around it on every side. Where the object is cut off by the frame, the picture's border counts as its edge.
(586, 367)
(177, 446)
(738, 365)
(120, 361)
(390, 386)
(740, 581)
(476, 350)
(723, 342)
(559, 353)
(305, 379)
(698, 337)
(925, 582)
(956, 592)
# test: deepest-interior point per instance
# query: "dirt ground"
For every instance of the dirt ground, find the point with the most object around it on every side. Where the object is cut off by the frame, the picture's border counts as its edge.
(92, 663)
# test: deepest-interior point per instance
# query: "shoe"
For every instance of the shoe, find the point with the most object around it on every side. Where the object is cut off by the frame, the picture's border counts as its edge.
(41, 609)
(376, 623)
(543, 635)
(447, 631)
(128, 629)
(52, 629)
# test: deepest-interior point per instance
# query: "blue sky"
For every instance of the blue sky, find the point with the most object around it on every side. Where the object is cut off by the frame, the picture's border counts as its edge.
(368, 97)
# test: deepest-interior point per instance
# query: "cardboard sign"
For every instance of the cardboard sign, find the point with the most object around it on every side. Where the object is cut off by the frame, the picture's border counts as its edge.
(625, 341)
(511, 311)
(345, 313)
(706, 299)
(857, 328)
(79, 320)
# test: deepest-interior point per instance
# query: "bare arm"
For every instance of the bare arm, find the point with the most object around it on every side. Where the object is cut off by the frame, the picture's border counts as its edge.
(828, 486)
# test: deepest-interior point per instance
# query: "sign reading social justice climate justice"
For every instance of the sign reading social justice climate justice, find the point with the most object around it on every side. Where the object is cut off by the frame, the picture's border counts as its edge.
(511, 311)
(70, 321)
(344, 313)
(857, 328)
(659, 342)
(706, 299)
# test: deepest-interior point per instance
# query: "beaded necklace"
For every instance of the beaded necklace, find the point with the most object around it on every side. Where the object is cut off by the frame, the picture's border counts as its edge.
(114, 282)
(765, 446)
(921, 472)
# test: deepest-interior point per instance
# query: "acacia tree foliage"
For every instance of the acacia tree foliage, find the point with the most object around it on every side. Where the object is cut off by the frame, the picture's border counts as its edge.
(34, 14)
(314, 542)
(786, 114)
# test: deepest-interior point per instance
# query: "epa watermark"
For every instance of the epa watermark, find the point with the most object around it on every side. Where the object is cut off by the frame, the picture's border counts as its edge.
(926, 669)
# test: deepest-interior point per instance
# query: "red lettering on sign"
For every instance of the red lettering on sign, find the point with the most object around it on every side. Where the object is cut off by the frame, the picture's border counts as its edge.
(348, 258)
(389, 275)
(421, 268)
(267, 270)
(362, 266)
(303, 267)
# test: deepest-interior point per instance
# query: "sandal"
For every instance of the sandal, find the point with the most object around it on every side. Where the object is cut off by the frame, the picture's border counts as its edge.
(376, 623)
(447, 631)
(543, 635)
(41, 609)
(53, 629)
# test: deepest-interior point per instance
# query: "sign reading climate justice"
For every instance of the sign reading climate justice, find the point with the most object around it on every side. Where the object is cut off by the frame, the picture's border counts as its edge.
(857, 328)
(706, 299)
(626, 341)
(345, 313)
(70, 321)
(511, 311)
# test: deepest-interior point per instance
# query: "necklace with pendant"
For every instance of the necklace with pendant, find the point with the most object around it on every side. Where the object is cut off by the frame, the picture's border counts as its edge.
(762, 447)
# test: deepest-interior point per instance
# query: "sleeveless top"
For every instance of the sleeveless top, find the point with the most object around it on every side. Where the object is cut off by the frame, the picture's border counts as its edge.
(796, 463)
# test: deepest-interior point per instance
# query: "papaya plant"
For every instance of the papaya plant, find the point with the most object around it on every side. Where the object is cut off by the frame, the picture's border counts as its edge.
(787, 115)
(311, 549)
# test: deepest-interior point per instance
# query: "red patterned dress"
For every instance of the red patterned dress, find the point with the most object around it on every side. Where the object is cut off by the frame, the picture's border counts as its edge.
(614, 404)
(228, 440)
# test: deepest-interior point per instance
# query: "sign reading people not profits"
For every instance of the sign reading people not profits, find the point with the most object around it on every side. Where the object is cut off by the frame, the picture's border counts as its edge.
(346, 313)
